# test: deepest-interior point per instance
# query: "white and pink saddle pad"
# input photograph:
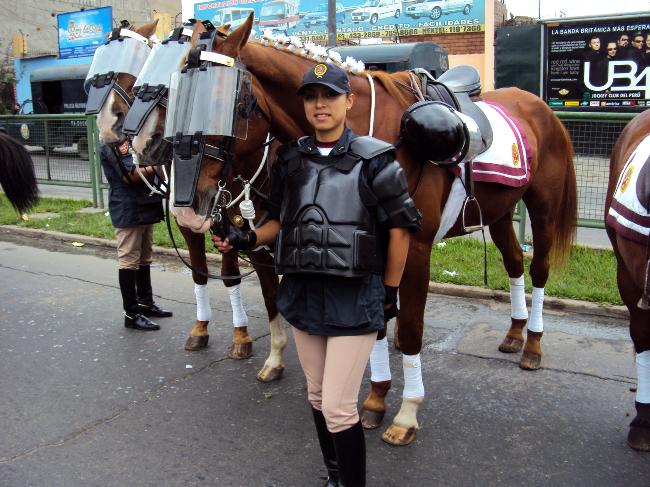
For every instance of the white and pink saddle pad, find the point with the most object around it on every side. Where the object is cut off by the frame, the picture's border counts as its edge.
(627, 215)
(505, 162)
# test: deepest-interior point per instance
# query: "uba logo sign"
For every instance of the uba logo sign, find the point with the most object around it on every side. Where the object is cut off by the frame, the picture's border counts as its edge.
(626, 71)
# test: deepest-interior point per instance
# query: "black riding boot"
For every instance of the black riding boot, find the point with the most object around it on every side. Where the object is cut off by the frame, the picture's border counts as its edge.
(146, 305)
(350, 448)
(326, 448)
(132, 316)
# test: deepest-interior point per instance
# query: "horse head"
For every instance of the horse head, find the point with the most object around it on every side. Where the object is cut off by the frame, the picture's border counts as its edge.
(112, 75)
(232, 146)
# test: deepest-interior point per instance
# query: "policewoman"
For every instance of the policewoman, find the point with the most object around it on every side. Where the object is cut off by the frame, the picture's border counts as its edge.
(340, 218)
(133, 212)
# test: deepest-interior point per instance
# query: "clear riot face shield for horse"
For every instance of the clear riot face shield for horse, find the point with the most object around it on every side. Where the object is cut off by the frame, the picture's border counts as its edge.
(205, 102)
(151, 87)
(125, 53)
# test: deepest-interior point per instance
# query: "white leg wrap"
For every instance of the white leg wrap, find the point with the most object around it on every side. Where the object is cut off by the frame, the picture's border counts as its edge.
(413, 386)
(536, 322)
(643, 377)
(518, 298)
(239, 316)
(379, 363)
(203, 310)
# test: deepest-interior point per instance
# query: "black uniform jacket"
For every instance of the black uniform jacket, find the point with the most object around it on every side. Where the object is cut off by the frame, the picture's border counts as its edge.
(330, 305)
(129, 204)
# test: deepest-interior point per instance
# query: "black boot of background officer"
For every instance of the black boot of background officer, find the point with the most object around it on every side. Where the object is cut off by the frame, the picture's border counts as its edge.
(146, 306)
(132, 314)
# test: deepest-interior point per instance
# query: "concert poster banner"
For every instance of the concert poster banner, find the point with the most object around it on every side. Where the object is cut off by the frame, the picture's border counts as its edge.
(598, 64)
(355, 19)
(81, 33)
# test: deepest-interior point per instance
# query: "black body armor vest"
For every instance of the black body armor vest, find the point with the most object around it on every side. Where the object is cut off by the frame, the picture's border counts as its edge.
(325, 227)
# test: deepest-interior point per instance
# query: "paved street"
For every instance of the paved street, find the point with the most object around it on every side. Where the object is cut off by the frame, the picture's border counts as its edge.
(86, 402)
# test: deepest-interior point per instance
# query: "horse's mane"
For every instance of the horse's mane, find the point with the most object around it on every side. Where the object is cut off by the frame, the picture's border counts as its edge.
(314, 52)
(17, 177)
(387, 80)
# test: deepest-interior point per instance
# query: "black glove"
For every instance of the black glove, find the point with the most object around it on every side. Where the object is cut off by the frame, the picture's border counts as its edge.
(241, 239)
(391, 299)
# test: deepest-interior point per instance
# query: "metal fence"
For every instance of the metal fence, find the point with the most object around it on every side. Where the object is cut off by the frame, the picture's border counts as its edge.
(593, 136)
(63, 149)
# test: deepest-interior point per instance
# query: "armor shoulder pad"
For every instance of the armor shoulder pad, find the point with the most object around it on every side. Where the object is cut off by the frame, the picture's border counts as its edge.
(368, 147)
(390, 182)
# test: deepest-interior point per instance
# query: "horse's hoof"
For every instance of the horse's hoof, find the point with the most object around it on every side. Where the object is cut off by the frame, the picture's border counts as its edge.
(638, 438)
(241, 351)
(197, 343)
(530, 361)
(511, 345)
(371, 419)
(269, 374)
(399, 435)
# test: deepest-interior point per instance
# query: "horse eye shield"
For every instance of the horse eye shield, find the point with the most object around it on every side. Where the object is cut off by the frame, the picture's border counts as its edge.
(152, 84)
(208, 100)
(125, 55)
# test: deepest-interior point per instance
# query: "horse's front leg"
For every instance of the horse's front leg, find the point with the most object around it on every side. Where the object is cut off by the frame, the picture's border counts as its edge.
(242, 343)
(629, 257)
(413, 296)
(274, 364)
(199, 336)
(374, 406)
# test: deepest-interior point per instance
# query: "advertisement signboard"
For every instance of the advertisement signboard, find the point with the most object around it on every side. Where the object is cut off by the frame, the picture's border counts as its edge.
(355, 19)
(81, 33)
(598, 64)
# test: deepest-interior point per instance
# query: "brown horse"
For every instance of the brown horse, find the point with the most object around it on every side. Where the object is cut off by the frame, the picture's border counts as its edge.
(17, 177)
(152, 148)
(110, 122)
(632, 250)
(550, 196)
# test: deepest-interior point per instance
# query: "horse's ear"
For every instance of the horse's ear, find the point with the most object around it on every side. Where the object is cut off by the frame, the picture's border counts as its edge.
(224, 29)
(239, 37)
(148, 30)
(198, 29)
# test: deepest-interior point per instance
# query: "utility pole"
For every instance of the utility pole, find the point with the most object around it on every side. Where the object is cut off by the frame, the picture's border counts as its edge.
(331, 23)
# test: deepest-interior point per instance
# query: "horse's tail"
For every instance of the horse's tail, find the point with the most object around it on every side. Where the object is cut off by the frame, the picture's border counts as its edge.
(17, 177)
(566, 211)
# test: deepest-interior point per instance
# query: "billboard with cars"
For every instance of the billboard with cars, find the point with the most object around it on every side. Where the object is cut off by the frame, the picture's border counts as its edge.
(355, 19)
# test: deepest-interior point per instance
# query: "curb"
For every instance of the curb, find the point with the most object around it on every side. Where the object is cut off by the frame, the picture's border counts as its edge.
(471, 292)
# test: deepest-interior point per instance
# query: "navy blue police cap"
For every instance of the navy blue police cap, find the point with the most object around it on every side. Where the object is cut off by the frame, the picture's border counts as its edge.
(326, 74)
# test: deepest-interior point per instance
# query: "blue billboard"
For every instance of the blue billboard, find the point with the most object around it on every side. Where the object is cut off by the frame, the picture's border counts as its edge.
(355, 19)
(81, 33)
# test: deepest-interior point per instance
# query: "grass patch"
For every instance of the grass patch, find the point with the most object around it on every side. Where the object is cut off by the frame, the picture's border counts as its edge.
(89, 224)
(590, 275)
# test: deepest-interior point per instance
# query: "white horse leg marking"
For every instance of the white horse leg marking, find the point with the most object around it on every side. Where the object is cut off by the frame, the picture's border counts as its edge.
(407, 417)
(106, 119)
(139, 142)
(379, 361)
(536, 322)
(518, 310)
(239, 316)
(203, 309)
(643, 377)
(278, 343)
(413, 385)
